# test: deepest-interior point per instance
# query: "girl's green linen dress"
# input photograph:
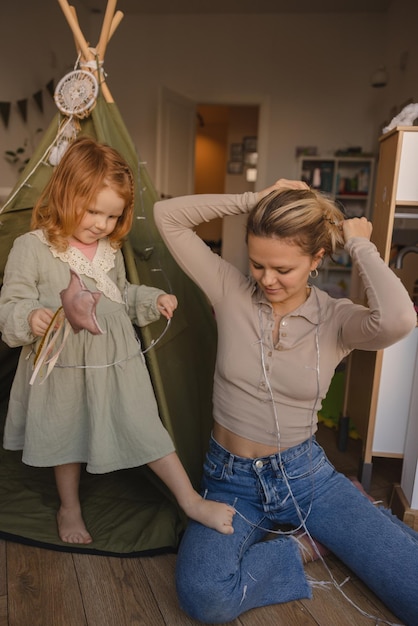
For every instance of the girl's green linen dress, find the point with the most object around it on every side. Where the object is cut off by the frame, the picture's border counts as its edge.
(97, 406)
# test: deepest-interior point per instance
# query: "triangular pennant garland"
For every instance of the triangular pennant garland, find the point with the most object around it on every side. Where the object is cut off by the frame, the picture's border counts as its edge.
(51, 87)
(22, 105)
(39, 99)
(5, 112)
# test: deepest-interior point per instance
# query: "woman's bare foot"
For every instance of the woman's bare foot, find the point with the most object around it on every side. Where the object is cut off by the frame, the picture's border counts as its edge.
(71, 527)
(216, 515)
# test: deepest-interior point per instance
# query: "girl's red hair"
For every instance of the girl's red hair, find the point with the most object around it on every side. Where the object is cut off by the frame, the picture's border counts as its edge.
(85, 169)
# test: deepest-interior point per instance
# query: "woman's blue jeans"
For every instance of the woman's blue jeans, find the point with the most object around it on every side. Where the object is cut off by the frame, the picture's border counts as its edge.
(220, 576)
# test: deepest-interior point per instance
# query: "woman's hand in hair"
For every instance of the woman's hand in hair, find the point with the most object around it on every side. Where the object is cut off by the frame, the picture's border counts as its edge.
(281, 185)
(357, 227)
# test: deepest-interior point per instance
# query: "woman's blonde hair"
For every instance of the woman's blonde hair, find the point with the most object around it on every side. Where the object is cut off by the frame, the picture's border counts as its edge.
(303, 216)
(86, 168)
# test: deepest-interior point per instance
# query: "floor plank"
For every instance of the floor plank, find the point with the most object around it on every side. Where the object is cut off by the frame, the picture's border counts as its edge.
(3, 584)
(331, 605)
(376, 606)
(160, 573)
(3, 571)
(289, 614)
(3, 611)
(116, 592)
(42, 588)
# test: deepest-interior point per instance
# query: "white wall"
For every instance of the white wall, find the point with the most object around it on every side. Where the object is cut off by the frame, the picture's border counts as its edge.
(400, 37)
(36, 45)
(311, 73)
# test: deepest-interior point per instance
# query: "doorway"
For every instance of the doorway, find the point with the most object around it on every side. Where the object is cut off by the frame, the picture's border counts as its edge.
(226, 162)
(210, 148)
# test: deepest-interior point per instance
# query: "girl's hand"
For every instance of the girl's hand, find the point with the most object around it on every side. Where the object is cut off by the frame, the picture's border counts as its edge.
(39, 320)
(167, 304)
(357, 227)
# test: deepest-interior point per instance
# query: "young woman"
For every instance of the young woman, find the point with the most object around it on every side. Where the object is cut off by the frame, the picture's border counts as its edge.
(97, 406)
(279, 342)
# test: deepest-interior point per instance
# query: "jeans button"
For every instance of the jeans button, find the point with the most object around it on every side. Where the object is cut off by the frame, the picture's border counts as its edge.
(259, 464)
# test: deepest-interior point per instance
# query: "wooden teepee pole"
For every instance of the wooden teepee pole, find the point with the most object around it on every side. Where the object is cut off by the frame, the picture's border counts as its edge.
(111, 22)
(117, 18)
(105, 32)
(75, 28)
(77, 47)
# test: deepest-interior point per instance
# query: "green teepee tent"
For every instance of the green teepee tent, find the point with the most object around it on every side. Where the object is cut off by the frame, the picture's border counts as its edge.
(128, 512)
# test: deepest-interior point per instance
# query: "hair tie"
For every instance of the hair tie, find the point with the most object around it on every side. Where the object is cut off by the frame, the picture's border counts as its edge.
(334, 221)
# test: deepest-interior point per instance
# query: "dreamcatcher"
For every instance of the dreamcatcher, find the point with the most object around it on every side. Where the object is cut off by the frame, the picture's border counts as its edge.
(76, 93)
(75, 96)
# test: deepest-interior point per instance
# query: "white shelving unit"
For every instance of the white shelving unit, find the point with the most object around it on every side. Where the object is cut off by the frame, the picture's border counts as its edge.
(382, 392)
(349, 180)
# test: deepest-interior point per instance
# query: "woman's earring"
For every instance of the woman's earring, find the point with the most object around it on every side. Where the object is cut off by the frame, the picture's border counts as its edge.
(313, 273)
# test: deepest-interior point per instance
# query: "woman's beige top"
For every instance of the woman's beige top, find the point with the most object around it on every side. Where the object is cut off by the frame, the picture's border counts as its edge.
(296, 372)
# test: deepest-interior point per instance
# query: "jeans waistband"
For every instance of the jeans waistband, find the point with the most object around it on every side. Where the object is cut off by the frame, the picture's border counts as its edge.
(274, 460)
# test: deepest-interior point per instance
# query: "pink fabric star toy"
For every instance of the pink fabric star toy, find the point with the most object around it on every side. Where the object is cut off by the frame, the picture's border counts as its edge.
(78, 311)
(79, 304)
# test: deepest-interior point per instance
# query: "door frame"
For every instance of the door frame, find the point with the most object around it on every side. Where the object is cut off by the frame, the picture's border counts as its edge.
(163, 134)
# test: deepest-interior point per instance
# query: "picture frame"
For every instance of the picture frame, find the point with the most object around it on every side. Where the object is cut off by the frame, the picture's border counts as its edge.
(236, 152)
(250, 144)
(251, 158)
(235, 167)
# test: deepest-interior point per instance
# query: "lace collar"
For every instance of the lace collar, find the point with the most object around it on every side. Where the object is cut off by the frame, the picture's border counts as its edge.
(97, 269)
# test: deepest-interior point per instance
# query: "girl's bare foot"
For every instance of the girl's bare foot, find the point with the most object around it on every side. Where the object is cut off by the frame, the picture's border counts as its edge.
(71, 527)
(216, 515)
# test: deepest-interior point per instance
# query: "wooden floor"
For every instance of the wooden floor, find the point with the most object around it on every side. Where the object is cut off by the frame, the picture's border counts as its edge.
(47, 588)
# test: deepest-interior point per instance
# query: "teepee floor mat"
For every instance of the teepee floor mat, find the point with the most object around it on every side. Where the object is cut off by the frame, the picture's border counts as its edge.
(128, 512)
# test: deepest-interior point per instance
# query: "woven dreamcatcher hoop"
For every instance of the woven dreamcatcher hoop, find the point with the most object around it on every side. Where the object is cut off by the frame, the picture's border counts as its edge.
(76, 93)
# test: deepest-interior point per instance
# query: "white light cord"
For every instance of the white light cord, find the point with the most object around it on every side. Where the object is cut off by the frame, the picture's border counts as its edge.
(155, 341)
(128, 358)
(302, 516)
(41, 161)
